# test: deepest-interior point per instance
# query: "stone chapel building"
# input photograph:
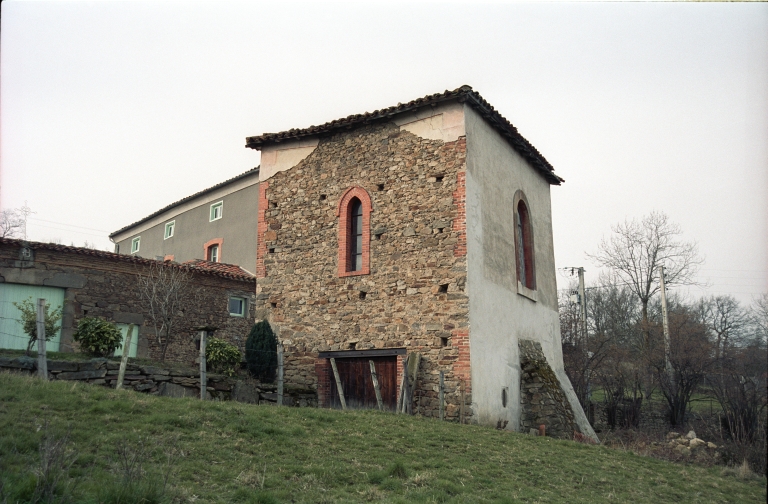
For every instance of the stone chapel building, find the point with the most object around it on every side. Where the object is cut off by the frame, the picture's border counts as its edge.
(422, 228)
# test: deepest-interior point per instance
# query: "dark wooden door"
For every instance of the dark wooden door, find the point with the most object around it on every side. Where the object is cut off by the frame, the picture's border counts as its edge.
(355, 375)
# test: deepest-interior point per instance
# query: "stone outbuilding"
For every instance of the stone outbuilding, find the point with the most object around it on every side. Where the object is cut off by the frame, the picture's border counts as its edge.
(424, 228)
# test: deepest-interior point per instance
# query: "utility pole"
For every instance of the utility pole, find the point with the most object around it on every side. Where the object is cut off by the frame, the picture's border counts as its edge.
(665, 321)
(582, 309)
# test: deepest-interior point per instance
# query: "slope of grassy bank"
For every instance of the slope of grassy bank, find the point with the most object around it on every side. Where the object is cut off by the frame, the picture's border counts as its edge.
(231, 452)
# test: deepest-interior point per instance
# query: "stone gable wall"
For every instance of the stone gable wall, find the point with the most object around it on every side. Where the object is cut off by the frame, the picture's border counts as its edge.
(414, 296)
(100, 287)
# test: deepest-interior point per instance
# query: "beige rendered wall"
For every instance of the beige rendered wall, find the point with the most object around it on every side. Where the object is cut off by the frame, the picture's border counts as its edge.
(499, 316)
(193, 228)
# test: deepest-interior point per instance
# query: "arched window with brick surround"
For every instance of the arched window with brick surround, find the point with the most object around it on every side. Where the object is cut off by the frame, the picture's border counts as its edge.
(354, 213)
(212, 250)
(524, 251)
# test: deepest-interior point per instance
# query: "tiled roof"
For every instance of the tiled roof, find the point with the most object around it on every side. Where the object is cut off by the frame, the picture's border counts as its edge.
(231, 269)
(184, 200)
(464, 94)
(227, 271)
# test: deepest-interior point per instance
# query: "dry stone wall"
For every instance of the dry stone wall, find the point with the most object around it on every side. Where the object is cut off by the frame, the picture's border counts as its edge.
(160, 380)
(542, 400)
(414, 296)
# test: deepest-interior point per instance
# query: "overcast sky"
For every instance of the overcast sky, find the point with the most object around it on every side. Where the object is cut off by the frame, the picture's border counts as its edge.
(112, 110)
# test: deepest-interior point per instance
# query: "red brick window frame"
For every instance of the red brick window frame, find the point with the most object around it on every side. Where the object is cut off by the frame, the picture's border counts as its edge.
(524, 245)
(207, 249)
(346, 240)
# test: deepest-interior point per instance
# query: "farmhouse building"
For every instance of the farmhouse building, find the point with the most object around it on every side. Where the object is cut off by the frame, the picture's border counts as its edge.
(216, 224)
(421, 228)
(419, 233)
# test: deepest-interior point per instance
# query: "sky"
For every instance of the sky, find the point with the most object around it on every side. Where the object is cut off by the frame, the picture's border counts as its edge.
(111, 110)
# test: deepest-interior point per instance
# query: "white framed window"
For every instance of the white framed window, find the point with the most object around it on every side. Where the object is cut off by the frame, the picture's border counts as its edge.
(217, 211)
(135, 244)
(237, 306)
(213, 253)
(170, 227)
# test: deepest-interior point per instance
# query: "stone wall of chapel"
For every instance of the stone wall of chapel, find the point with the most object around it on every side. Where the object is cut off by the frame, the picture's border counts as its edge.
(415, 294)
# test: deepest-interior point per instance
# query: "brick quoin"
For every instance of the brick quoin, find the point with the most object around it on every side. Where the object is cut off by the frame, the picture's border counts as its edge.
(342, 212)
(261, 230)
(460, 221)
(461, 369)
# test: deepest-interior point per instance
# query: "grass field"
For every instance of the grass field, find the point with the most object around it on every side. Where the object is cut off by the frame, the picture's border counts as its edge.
(123, 445)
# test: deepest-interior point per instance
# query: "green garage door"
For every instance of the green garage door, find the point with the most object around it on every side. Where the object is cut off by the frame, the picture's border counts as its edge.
(12, 333)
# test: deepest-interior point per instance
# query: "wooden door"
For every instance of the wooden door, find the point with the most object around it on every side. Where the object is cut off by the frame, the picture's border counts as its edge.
(355, 375)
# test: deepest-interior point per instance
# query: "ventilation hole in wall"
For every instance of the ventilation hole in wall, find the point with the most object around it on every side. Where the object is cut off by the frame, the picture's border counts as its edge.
(443, 288)
(352, 345)
(444, 341)
(504, 397)
(273, 305)
(323, 197)
(273, 204)
(439, 178)
(85, 313)
(379, 187)
(440, 230)
(271, 250)
(362, 295)
(377, 236)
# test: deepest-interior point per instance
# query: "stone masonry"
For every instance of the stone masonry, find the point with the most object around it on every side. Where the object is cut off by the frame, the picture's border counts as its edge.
(543, 401)
(103, 284)
(414, 296)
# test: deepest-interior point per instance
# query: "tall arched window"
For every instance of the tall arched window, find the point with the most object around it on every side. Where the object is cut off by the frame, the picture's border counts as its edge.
(355, 244)
(354, 212)
(524, 252)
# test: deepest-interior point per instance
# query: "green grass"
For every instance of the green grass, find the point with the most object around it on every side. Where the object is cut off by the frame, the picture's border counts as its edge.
(232, 452)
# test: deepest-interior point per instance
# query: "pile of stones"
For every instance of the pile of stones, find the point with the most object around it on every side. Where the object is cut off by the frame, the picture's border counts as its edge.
(686, 444)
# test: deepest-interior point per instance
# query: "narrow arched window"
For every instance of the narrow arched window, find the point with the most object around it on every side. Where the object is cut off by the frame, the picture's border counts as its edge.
(524, 246)
(354, 212)
(355, 240)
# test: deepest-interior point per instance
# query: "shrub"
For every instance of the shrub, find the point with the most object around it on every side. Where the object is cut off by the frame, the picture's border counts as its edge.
(223, 357)
(261, 352)
(98, 337)
(28, 310)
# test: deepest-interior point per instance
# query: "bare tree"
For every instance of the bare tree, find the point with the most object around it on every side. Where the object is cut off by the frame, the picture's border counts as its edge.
(165, 291)
(11, 223)
(759, 320)
(637, 249)
(727, 320)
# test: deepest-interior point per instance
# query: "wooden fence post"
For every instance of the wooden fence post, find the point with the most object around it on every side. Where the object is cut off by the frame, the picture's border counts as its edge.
(376, 388)
(279, 374)
(42, 358)
(203, 377)
(442, 394)
(124, 360)
(338, 384)
(403, 384)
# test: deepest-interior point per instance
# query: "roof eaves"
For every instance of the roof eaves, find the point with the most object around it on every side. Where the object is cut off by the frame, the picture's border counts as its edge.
(186, 199)
(462, 94)
(102, 254)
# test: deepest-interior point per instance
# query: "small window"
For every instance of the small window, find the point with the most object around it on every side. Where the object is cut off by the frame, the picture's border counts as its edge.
(135, 244)
(169, 227)
(213, 253)
(217, 210)
(237, 306)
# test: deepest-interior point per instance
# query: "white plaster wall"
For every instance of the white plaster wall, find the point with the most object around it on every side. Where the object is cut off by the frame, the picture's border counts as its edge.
(444, 122)
(498, 315)
(284, 156)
